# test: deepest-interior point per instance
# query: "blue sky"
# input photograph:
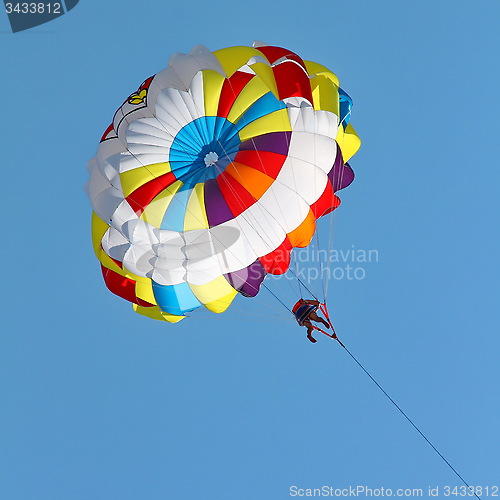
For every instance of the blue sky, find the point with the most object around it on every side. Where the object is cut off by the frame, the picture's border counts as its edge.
(101, 403)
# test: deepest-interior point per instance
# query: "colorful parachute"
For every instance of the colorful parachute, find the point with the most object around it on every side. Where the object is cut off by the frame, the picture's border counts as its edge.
(212, 172)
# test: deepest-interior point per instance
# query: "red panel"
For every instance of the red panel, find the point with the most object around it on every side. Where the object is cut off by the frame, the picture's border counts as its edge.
(236, 196)
(230, 91)
(142, 196)
(272, 54)
(107, 131)
(278, 261)
(146, 83)
(265, 161)
(292, 81)
(326, 203)
(123, 287)
(144, 86)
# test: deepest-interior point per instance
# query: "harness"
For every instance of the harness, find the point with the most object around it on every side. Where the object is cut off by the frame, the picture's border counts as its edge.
(302, 310)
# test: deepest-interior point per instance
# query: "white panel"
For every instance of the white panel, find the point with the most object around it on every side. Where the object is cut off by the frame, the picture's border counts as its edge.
(197, 97)
(316, 149)
(150, 126)
(115, 244)
(136, 137)
(285, 206)
(304, 178)
(168, 112)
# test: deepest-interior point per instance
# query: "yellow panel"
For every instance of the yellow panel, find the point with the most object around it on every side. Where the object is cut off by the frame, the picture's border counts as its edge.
(212, 86)
(252, 91)
(216, 296)
(277, 121)
(171, 318)
(325, 95)
(144, 291)
(132, 179)
(157, 313)
(220, 305)
(99, 227)
(135, 277)
(196, 215)
(155, 211)
(233, 58)
(348, 141)
(265, 73)
(318, 69)
(109, 263)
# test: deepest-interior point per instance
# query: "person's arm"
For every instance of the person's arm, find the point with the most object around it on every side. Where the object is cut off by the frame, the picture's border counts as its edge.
(312, 302)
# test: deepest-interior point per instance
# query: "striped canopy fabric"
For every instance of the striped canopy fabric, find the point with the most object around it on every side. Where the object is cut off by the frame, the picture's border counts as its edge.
(212, 172)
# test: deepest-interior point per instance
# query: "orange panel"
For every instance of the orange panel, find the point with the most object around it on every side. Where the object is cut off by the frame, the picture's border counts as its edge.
(253, 180)
(302, 236)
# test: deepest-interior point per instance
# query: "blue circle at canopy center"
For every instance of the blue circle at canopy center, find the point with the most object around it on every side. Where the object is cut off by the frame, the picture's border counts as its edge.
(198, 144)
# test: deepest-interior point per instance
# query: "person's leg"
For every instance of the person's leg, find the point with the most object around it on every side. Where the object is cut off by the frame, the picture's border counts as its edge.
(313, 316)
(310, 329)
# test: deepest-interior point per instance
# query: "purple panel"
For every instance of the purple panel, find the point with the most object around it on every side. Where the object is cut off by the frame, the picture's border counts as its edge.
(248, 280)
(215, 205)
(275, 142)
(341, 174)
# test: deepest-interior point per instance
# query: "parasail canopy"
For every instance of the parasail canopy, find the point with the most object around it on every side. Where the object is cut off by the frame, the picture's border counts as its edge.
(212, 172)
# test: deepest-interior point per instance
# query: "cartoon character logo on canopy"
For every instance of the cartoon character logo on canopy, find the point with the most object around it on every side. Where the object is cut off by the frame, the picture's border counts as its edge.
(212, 172)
